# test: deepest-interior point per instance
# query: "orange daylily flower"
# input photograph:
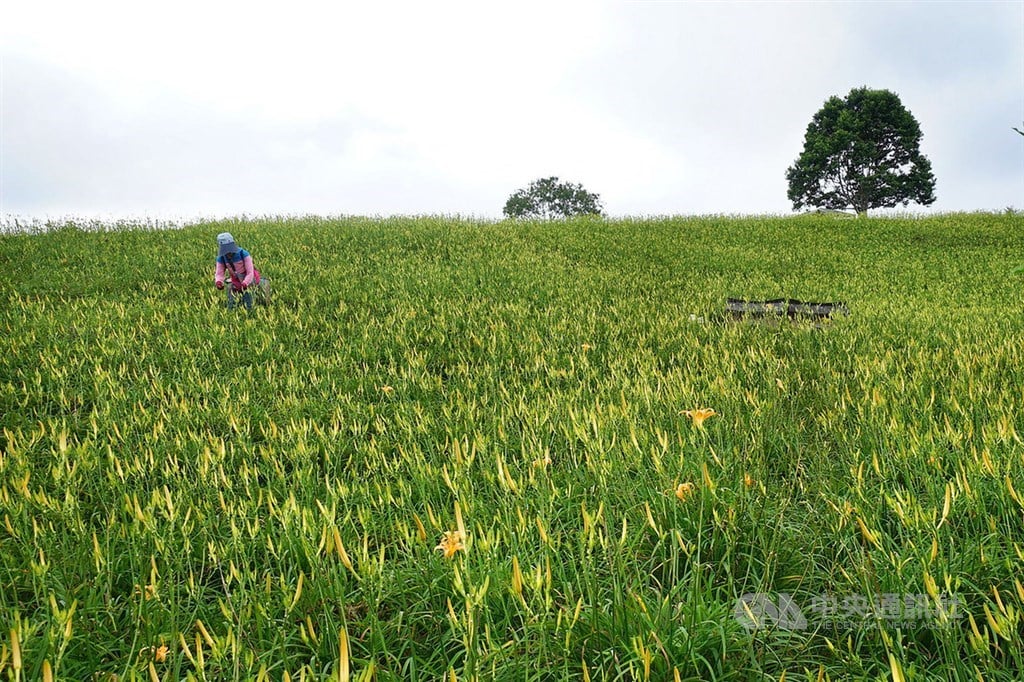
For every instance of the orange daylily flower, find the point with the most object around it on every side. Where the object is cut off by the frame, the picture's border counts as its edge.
(684, 490)
(698, 416)
(451, 543)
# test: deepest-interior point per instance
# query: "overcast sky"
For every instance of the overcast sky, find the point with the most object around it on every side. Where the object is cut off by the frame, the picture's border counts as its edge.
(190, 109)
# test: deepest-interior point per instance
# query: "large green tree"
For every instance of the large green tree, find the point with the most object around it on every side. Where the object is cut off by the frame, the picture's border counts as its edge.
(862, 152)
(548, 198)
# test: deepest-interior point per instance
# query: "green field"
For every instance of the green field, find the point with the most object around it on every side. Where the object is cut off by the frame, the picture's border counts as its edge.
(189, 492)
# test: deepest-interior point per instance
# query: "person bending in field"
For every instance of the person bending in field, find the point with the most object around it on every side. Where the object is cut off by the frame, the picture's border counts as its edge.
(234, 266)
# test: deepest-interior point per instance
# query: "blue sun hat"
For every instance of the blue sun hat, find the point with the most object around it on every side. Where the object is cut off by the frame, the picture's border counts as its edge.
(226, 244)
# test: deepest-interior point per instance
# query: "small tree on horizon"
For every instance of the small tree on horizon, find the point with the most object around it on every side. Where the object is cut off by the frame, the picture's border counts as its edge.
(861, 152)
(548, 198)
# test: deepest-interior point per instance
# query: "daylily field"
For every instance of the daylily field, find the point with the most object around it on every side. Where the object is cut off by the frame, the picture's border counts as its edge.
(467, 450)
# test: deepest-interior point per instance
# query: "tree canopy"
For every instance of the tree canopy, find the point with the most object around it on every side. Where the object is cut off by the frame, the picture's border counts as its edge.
(861, 152)
(548, 198)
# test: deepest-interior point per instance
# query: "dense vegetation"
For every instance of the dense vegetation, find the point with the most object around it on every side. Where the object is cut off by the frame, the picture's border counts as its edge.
(191, 492)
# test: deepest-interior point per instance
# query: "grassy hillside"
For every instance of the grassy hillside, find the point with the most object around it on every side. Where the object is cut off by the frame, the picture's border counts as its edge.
(192, 492)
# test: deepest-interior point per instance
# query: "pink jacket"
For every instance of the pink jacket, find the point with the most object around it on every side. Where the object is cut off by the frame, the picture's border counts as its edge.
(240, 269)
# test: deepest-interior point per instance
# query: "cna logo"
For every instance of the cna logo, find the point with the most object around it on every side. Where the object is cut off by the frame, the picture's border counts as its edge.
(758, 611)
(762, 611)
